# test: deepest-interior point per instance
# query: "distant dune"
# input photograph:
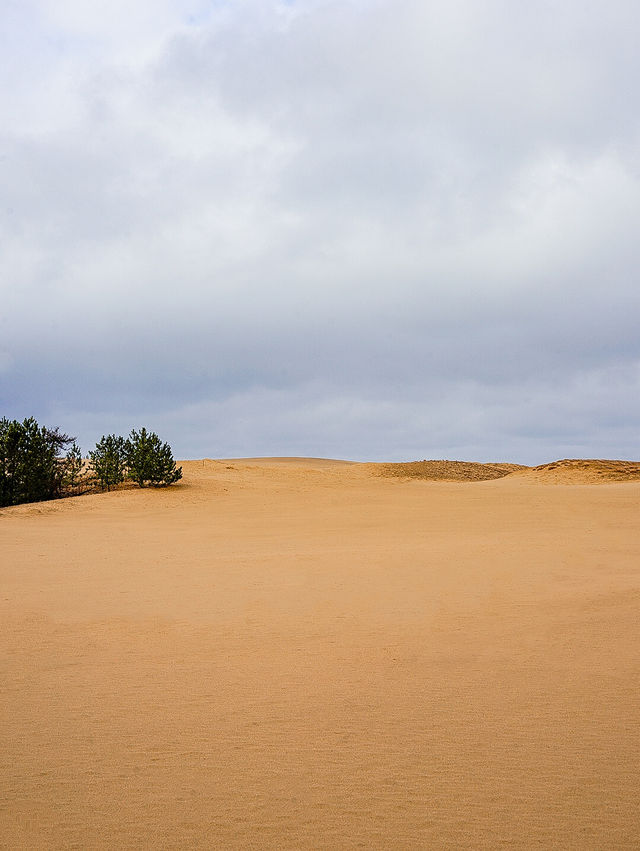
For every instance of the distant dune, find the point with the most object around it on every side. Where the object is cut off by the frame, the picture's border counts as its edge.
(577, 471)
(309, 653)
(450, 471)
(318, 463)
(583, 471)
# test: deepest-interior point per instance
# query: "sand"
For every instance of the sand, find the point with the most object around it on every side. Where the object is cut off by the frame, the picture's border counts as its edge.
(307, 654)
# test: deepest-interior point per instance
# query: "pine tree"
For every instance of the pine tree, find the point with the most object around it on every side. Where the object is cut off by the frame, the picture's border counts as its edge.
(72, 466)
(30, 468)
(108, 460)
(150, 460)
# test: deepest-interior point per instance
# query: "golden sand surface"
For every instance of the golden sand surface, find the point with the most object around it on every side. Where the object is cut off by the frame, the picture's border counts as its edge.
(301, 654)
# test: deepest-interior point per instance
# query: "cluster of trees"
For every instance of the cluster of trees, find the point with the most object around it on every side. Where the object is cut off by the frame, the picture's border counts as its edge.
(38, 463)
(142, 457)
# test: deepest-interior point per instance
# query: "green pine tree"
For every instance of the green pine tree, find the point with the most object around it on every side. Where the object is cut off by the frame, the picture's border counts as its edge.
(30, 469)
(150, 460)
(72, 467)
(108, 461)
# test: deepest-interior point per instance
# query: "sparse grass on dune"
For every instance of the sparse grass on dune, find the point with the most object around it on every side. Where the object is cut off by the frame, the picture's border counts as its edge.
(589, 470)
(568, 470)
(451, 471)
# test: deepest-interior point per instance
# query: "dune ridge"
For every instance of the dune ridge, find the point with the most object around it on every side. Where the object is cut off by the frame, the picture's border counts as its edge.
(586, 471)
(568, 470)
(450, 471)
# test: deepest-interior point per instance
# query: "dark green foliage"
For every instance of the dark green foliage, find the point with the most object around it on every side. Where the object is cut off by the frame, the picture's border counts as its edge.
(108, 460)
(150, 460)
(31, 466)
(38, 463)
(72, 467)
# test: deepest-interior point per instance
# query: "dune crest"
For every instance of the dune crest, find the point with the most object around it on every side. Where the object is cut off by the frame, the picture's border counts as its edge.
(566, 471)
(584, 471)
(451, 471)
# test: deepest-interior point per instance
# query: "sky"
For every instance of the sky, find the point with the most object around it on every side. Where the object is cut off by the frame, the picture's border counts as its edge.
(364, 229)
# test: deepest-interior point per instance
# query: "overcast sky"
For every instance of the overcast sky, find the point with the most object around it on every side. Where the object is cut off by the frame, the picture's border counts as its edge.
(368, 229)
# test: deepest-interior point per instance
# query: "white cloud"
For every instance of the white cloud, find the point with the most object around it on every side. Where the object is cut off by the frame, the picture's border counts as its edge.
(209, 202)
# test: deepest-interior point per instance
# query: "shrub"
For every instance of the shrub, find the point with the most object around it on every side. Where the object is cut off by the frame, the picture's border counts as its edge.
(108, 460)
(150, 460)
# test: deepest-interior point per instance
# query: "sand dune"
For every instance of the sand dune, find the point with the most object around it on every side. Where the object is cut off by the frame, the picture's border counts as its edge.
(313, 463)
(583, 471)
(309, 654)
(569, 470)
(450, 471)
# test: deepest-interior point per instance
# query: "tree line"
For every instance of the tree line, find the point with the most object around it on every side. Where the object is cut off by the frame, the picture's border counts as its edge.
(38, 463)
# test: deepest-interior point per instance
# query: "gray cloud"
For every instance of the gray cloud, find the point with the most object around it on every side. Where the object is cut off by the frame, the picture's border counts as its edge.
(366, 229)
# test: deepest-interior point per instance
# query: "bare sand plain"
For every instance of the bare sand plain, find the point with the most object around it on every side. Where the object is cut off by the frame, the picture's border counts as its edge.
(308, 654)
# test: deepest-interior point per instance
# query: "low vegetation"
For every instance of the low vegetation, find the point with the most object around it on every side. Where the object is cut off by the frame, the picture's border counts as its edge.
(39, 463)
(451, 471)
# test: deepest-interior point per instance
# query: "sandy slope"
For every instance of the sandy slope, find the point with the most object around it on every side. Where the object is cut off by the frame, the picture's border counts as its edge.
(310, 655)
